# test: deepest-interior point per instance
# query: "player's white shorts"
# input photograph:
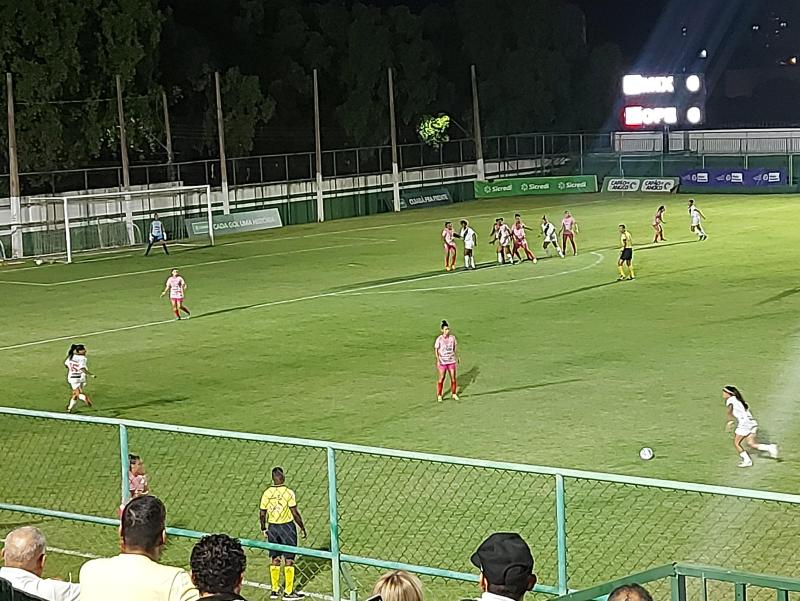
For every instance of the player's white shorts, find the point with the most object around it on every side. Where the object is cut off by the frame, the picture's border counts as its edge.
(695, 221)
(76, 383)
(552, 239)
(746, 429)
(469, 245)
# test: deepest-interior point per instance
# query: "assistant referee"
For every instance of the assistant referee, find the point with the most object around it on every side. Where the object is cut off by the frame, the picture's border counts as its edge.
(279, 507)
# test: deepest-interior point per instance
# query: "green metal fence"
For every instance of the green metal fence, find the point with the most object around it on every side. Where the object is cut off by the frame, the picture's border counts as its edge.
(369, 509)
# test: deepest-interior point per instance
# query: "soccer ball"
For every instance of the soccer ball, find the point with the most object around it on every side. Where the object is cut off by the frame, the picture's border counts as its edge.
(646, 454)
(39, 262)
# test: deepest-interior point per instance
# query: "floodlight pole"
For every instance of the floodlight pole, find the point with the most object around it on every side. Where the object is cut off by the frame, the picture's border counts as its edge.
(318, 144)
(393, 133)
(223, 164)
(13, 174)
(167, 131)
(67, 232)
(476, 118)
(126, 172)
(210, 215)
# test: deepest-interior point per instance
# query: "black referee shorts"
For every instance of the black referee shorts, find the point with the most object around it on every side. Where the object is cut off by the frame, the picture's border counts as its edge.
(282, 534)
(626, 255)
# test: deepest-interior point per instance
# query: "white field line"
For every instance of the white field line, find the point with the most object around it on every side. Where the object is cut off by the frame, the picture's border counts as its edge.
(371, 289)
(201, 264)
(310, 297)
(251, 583)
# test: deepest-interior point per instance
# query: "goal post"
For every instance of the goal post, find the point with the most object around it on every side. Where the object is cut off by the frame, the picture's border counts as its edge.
(61, 227)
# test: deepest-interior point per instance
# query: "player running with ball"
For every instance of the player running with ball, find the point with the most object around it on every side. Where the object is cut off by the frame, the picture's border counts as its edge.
(76, 376)
(176, 286)
(520, 239)
(746, 426)
(446, 351)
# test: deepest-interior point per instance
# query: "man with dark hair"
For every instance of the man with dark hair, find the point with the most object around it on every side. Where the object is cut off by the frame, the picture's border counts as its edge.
(630, 592)
(135, 574)
(218, 563)
(506, 566)
(279, 507)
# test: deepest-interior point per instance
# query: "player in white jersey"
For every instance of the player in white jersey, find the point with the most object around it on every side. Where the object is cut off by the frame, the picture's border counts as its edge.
(470, 238)
(157, 235)
(550, 235)
(502, 235)
(746, 426)
(696, 215)
(76, 375)
(176, 286)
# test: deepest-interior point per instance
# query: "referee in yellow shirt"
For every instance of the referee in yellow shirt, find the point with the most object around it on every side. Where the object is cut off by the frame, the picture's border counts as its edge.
(626, 253)
(279, 508)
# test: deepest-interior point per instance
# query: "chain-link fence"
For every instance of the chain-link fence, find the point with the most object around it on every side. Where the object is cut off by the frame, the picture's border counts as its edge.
(369, 509)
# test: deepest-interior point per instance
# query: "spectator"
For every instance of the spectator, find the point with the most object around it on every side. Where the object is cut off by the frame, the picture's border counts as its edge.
(398, 586)
(138, 484)
(218, 563)
(279, 508)
(135, 574)
(506, 566)
(630, 592)
(24, 555)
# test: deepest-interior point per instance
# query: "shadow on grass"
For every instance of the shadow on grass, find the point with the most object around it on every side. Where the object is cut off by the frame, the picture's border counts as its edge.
(653, 246)
(119, 411)
(526, 387)
(780, 296)
(467, 378)
(413, 277)
(571, 292)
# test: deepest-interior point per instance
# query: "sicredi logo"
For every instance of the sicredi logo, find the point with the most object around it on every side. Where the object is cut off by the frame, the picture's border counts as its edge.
(638, 85)
(637, 116)
(576, 185)
(500, 188)
(545, 186)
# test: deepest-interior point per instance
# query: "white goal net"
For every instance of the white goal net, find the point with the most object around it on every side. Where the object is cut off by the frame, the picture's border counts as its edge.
(62, 227)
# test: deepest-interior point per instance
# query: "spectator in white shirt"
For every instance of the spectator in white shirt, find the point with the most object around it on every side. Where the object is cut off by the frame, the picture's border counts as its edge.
(135, 574)
(506, 566)
(23, 558)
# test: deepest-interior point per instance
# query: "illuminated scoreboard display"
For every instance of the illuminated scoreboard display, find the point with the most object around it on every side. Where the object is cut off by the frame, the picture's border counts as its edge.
(660, 101)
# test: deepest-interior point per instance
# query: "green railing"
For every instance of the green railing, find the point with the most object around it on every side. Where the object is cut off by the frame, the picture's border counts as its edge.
(370, 509)
(705, 580)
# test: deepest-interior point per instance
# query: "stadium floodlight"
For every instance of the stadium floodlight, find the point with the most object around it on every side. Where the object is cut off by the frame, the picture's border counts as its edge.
(61, 226)
(694, 115)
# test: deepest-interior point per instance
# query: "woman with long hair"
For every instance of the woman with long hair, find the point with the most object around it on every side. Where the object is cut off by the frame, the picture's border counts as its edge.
(745, 426)
(76, 375)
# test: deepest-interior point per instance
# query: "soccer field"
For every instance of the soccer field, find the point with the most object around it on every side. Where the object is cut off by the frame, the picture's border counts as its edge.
(326, 331)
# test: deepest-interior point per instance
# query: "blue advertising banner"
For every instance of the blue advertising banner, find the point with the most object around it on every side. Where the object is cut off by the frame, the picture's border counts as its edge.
(743, 180)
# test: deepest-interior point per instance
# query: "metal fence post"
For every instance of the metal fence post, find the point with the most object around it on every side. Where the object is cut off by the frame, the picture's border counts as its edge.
(334, 520)
(561, 536)
(123, 462)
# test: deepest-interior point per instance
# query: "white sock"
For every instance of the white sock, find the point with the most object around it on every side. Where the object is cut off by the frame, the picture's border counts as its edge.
(472, 261)
(763, 447)
(745, 457)
(72, 403)
(82, 397)
(466, 261)
(500, 258)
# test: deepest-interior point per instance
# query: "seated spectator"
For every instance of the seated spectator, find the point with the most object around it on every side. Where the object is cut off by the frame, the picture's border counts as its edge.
(135, 574)
(630, 592)
(398, 586)
(23, 558)
(506, 566)
(218, 563)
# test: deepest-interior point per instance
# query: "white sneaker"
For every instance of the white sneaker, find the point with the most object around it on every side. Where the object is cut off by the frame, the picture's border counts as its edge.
(439, 399)
(455, 397)
(773, 451)
(535, 260)
(745, 464)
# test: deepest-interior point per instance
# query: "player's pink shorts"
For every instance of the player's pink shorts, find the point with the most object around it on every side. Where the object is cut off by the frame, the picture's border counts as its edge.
(449, 247)
(569, 235)
(451, 367)
(176, 298)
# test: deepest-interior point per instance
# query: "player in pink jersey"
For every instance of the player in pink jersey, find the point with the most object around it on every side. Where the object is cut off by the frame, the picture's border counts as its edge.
(446, 351)
(448, 237)
(658, 224)
(176, 286)
(520, 239)
(569, 227)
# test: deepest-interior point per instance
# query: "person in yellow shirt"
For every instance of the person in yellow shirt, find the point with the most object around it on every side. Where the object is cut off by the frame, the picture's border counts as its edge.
(278, 515)
(626, 254)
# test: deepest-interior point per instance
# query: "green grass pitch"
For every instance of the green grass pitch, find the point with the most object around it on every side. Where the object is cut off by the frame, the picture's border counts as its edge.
(326, 331)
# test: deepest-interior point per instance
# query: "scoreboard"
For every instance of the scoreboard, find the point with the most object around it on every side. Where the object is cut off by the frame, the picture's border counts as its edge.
(663, 101)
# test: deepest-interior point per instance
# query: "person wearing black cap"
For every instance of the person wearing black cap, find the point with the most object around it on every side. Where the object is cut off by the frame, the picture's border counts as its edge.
(506, 566)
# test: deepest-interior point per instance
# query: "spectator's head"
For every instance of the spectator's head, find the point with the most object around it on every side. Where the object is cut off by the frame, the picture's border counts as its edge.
(218, 562)
(506, 565)
(143, 526)
(24, 548)
(278, 476)
(630, 592)
(155, 215)
(398, 586)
